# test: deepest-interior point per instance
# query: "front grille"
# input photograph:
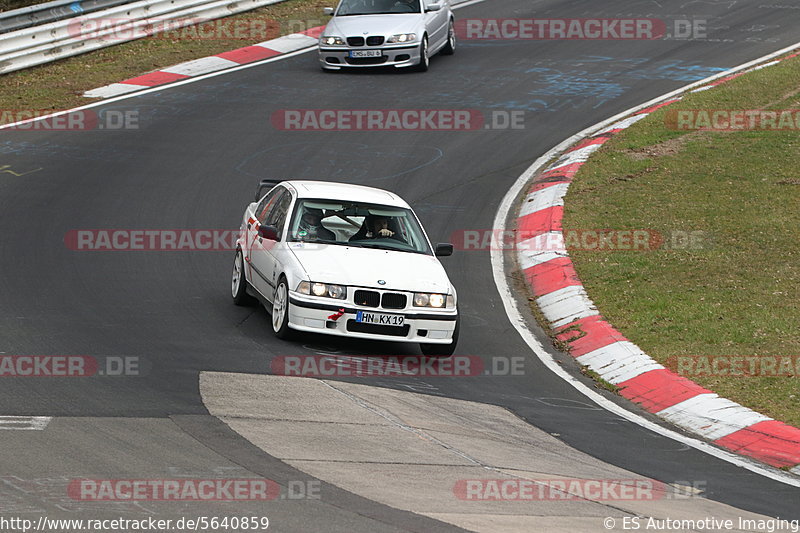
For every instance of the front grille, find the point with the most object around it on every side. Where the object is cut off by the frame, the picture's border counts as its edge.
(393, 300)
(367, 298)
(366, 60)
(375, 40)
(377, 329)
(355, 41)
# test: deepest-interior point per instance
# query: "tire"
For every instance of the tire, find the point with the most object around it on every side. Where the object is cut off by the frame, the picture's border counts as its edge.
(280, 310)
(424, 60)
(442, 350)
(239, 282)
(450, 48)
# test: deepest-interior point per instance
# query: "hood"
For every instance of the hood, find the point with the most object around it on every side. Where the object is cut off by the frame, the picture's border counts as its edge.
(356, 25)
(363, 267)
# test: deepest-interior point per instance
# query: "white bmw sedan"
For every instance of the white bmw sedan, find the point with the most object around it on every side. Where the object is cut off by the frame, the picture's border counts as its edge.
(400, 33)
(344, 260)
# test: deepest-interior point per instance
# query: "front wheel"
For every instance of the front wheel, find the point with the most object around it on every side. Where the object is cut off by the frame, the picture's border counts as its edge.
(280, 310)
(442, 350)
(424, 60)
(239, 282)
(450, 47)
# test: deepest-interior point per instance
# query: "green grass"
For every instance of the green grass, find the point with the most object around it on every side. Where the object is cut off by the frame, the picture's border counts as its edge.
(8, 5)
(60, 85)
(740, 293)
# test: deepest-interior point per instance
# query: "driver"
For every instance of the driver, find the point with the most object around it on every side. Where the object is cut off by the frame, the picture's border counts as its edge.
(380, 228)
(376, 227)
(311, 228)
(406, 6)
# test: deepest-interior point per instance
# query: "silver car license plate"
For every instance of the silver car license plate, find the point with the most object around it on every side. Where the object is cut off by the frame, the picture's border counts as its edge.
(366, 317)
(365, 53)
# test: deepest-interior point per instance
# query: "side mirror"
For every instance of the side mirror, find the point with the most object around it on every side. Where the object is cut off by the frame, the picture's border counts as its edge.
(268, 232)
(433, 7)
(443, 249)
(327, 11)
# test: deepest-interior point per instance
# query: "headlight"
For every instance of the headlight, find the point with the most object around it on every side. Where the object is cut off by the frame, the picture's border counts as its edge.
(424, 299)
(323, 290)
(332, 40)
(402, 38)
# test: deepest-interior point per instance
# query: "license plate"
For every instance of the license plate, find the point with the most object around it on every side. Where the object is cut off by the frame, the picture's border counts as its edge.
(365, 53)
(365, 317)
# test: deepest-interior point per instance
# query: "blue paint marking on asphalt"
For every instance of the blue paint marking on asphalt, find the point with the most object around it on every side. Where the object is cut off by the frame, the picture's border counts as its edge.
(555, 85)
(76, 7)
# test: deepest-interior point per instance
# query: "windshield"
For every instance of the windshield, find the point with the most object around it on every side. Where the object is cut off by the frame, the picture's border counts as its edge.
(377, 7)
(357, 224)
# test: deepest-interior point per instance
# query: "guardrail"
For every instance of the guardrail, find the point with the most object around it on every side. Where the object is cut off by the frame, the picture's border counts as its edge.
(25, 17)
(43, 43)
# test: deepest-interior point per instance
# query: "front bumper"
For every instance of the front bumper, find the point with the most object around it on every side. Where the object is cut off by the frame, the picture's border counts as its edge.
(422, 326)
(401, 55)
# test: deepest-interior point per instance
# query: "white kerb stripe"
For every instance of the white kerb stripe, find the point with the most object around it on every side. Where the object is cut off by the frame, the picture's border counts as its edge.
(289, 43)
(623, 124)
(711, 416)
(581, 155)
(115, 89)
(543, 198)
(204, 65)
(619, 362)
(765, 65)
(540, 249)
(701, 89)
(566, 305)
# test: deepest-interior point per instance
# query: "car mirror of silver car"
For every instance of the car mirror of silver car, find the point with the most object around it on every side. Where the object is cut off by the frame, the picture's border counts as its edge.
(327, 10)
(433, 7)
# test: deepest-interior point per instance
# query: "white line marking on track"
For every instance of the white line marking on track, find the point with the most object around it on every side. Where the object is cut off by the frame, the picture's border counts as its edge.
(37, 423)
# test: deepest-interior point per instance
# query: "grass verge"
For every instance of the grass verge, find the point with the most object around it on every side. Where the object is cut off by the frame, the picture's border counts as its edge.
(60, 85)
(8, 5)
(737, 292)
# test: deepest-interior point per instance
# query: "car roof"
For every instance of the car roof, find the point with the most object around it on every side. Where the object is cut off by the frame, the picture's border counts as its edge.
(330, 190)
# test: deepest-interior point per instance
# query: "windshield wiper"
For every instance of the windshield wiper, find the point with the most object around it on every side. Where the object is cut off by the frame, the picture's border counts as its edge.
(387, 248)
(378, 13)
